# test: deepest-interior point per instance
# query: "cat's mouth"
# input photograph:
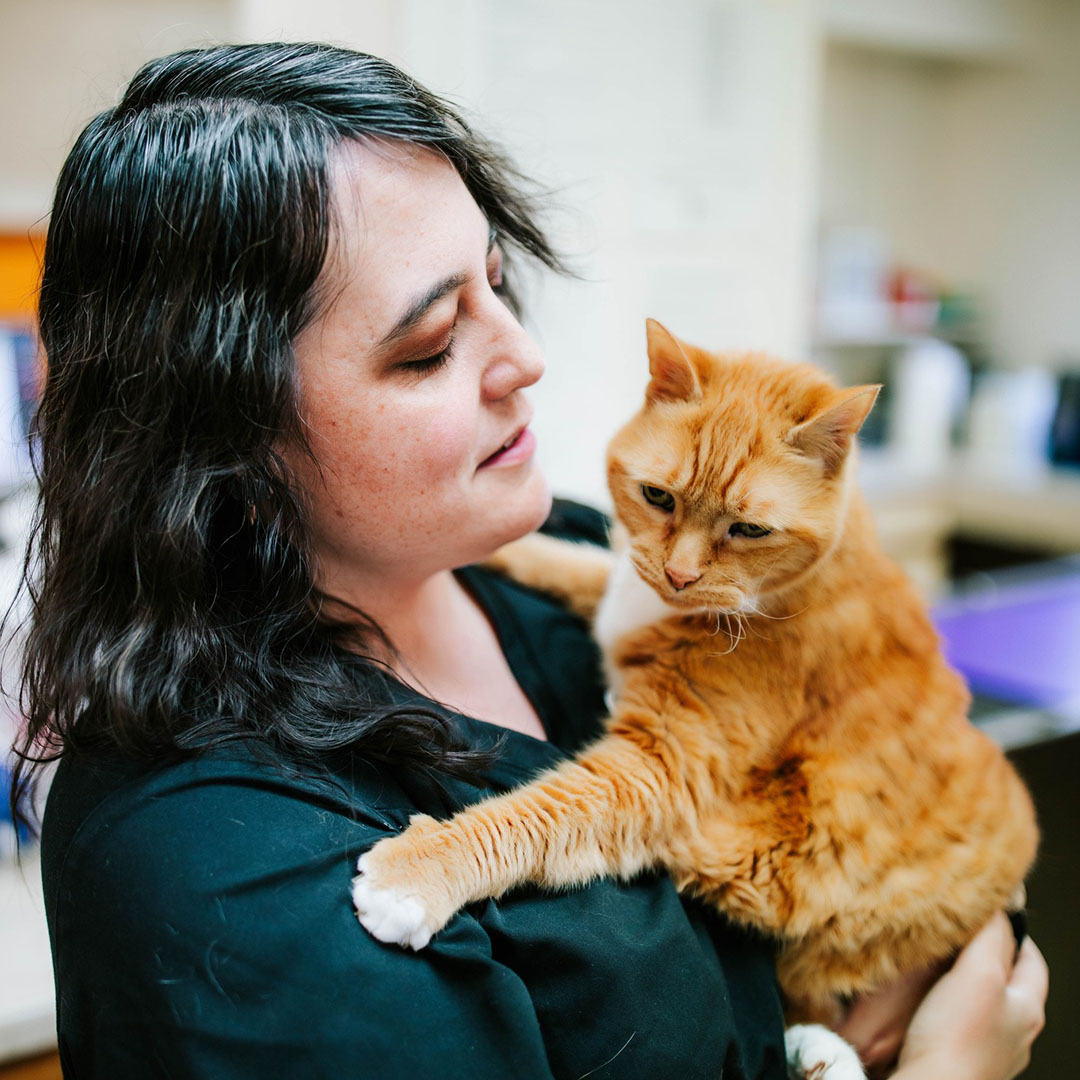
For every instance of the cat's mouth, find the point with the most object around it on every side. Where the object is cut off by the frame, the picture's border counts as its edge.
(695, 599)
(719, 602)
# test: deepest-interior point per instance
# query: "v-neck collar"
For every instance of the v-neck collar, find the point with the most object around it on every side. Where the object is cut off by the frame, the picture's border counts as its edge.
(538, 639)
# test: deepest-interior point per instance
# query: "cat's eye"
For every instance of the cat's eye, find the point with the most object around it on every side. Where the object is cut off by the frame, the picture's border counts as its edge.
(744, 528)
(658, 497)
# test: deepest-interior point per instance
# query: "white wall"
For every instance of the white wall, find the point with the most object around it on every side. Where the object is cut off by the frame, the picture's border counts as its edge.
(680, 136)
(881, 149)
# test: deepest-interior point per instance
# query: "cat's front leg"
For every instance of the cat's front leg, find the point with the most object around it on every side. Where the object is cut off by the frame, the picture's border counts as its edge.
(404, 888)
(606, 813)
(575, 574)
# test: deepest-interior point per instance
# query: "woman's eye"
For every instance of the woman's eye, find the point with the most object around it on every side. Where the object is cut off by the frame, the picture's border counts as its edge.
(744, 528)
(426, 365)
(658, 497)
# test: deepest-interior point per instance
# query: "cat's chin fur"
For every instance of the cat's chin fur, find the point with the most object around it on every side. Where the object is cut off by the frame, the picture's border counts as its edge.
(629, 604)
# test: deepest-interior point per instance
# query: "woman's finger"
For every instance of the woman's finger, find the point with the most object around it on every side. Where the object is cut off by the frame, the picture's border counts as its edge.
(1030, 982)
(993, 949)
(877, 1022)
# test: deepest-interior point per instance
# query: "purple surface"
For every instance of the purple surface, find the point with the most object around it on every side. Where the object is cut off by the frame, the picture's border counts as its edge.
(1019, 642)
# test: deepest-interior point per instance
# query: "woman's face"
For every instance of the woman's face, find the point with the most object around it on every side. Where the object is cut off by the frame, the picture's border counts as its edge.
(412, 382)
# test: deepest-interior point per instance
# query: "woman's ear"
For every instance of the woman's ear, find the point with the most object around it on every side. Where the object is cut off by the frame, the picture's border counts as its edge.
(827, 435)
(673, 374)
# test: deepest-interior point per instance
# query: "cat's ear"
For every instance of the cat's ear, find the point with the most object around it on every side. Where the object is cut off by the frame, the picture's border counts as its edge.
(827, 435)
(673, 375)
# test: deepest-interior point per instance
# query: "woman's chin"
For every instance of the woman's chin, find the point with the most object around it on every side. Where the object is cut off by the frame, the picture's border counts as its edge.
(514, 514)
(526, 513)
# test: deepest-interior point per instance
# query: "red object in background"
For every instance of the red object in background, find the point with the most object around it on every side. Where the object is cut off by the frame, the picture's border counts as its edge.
(914, 299)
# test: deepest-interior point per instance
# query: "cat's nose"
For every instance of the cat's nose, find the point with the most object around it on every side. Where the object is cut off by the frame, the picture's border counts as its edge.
(681, 578)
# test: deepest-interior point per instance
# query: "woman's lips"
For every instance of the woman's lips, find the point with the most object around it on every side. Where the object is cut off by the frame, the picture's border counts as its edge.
(521, 449)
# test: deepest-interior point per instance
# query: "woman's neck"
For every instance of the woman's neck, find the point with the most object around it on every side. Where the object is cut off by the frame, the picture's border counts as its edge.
(445, 647)
(411, 612)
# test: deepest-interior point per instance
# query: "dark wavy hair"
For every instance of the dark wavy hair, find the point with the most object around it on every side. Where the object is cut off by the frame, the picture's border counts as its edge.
(189, 230)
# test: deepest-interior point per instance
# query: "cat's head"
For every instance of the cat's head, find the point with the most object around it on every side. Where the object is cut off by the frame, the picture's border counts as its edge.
(731, 480)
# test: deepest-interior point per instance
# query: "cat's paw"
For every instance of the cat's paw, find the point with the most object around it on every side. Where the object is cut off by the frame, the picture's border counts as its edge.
(387, 914)
(816, 1053)
(401, 892)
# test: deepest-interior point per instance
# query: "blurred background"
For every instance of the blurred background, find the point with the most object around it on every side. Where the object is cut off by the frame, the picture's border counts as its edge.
(891, 189)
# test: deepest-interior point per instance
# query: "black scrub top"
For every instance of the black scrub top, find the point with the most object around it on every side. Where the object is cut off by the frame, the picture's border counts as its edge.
(202, 925)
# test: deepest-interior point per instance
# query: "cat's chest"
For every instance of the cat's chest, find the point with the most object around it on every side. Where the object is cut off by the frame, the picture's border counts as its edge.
(628, 605)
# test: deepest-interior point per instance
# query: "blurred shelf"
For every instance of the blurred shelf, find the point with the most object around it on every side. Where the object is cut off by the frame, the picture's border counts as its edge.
(916, 512)
(958, 31)
(1037, 507)
(890, 340)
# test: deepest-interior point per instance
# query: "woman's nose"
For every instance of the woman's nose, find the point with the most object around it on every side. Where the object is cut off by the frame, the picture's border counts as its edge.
(515, 360)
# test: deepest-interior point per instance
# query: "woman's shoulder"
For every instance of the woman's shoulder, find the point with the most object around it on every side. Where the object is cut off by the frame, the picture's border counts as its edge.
(211, 896)
(202, 849)
(217, 815)
(572, 520)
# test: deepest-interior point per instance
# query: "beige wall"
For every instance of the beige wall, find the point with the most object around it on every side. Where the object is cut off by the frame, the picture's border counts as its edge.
(63, 60)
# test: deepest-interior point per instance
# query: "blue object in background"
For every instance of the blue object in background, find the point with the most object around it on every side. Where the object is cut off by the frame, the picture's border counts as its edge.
(6, 821)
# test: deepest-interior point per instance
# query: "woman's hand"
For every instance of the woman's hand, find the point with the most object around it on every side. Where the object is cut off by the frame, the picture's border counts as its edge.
(979, 1020)
(877, 1023)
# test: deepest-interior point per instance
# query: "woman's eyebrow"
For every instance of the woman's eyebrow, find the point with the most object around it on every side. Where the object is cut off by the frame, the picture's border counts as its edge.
(420, 306)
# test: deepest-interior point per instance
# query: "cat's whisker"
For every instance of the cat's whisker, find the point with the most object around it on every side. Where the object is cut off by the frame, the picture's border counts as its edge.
(754, 609)
(754, 605)
(765, 576)
(749, 624)
(735, 638)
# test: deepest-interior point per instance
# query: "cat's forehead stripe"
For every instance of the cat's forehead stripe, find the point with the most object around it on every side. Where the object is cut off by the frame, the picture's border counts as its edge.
(768, 499)
(669, 461)
(727, 443)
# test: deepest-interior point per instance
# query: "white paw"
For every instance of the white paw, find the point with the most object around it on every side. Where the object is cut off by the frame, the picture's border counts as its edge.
(387, 915)
(816, 1052)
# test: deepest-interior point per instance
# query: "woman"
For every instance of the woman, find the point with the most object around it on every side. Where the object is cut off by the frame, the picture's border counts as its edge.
(284, 404)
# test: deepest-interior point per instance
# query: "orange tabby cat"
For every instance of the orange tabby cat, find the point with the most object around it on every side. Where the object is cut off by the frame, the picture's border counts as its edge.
(786, 740)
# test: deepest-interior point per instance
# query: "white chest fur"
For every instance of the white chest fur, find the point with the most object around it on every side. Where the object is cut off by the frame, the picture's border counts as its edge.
(628, 605)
